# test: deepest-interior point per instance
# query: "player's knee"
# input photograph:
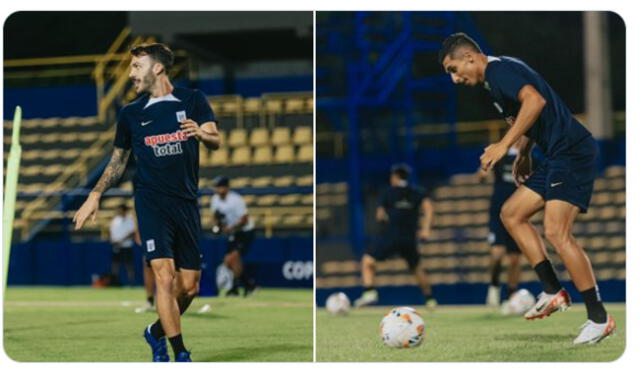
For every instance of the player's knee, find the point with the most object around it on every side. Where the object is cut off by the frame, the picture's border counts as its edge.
(557, 236)
(497, 252)
(508, 215)
(164, 279)
(192, 289)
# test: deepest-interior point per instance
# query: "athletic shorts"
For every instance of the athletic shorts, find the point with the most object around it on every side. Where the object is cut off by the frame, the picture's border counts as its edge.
(498, 234)
(388, 247)
(169, 228)
(568, 177)
(240, 241)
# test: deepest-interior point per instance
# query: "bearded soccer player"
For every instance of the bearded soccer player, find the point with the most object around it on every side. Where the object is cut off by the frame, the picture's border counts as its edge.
(561, 185)
(163, 128)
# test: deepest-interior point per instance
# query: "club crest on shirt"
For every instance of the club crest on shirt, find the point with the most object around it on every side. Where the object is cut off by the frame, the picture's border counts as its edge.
(181, 115)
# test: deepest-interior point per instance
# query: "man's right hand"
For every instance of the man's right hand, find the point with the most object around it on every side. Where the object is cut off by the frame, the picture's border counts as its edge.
(88, 209)
(521, 169)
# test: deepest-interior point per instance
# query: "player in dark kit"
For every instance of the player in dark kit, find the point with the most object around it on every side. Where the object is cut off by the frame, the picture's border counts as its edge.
(501, 242)
(399, 212)
(561, 185)
(163, 128)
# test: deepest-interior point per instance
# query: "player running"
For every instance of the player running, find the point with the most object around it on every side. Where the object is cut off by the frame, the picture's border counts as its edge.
(561, 185)
(399, 212)
(163, 128)
(501, 242)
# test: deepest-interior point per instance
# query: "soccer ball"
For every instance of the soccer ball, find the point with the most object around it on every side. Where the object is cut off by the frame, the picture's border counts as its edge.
(338, 304)
(518, 303)
(402, 327)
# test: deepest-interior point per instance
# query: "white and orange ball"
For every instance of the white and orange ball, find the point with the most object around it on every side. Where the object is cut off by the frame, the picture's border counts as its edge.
(402, 327)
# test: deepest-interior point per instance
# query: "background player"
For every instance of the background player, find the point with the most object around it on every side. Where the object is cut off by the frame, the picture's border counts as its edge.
(122, 230)
(501, 242)
(231, 217)
(162, 128)
(561, 185)
(398, 212)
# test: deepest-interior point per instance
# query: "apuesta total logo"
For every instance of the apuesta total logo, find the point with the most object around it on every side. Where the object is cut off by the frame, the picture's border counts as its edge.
(297, 270)
(166, 143)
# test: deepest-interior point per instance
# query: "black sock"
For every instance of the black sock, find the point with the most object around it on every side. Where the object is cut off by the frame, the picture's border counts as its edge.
(150, 300)
(184, 300)
(176, 344)
(496, 269)
(510, 291)
(156, 330)
(595, 308)
(428, 297)
(368, 288)
(548, 278)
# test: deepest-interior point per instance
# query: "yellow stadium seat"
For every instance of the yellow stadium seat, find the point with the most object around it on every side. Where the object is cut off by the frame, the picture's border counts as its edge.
(289, 199)
(293, 105)
(262, 155)
(307, 199)
(305, 153)
(261, 181)
(49, 138)
(280, 136)
(237, 137)
(267, 200)
(259, 137)
(88, 136)
(284, 154)
(239, 182)
(241, 156)
(223, 137)
(219, 157)
(283, 181)
(273, 106)
(309, 104)
(252, 106)
(302, 135)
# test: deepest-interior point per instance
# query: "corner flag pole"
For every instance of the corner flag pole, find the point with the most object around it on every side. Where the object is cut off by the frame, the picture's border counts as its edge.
(10, 190)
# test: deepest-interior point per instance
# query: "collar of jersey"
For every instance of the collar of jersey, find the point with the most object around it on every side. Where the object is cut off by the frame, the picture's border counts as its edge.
(492, 59)
(168, 98)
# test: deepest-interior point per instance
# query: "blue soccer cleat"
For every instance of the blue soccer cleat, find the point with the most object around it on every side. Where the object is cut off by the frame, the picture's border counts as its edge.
(158, 347)
(184, 356)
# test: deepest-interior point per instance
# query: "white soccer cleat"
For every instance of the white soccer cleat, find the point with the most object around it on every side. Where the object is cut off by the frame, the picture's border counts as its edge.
(147, 308)
(493, 296)
(369, 297)
(204, 309)
(548, 304)
(592, 332)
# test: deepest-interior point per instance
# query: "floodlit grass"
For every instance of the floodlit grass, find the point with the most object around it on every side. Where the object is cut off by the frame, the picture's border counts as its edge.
(466, 334)
(85, 324)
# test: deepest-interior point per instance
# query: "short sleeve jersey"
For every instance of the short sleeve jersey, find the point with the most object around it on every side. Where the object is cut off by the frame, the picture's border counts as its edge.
(166, 159)
(233, 208)
(403, 206)
(556, 130)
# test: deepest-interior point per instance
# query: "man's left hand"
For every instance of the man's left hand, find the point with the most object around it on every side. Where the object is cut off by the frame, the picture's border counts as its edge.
(192, 128)
(492, 155)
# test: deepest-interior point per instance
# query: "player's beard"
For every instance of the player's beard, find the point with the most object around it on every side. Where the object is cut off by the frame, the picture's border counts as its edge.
(148, 82)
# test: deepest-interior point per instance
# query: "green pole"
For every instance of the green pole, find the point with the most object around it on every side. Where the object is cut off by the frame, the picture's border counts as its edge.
(10, 190)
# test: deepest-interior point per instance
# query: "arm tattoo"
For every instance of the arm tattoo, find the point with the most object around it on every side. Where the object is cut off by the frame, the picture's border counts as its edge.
(114, 169)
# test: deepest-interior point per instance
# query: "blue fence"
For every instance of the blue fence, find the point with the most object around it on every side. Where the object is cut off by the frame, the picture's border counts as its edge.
(275, 262)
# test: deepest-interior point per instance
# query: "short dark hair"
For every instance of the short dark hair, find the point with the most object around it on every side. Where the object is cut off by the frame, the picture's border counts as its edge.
(158, 52)
(221, 181)
(401, 170)
(455, 41)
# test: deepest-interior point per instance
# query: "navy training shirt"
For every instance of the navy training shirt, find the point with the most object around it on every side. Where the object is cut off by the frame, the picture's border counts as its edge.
(403, 206)
(167, 160)
(556, 130)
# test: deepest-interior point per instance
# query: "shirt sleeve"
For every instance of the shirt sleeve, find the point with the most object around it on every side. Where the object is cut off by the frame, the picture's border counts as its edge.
(509, 81)
(213, 205)
(203, 112)
(123, 132)
(241, 205)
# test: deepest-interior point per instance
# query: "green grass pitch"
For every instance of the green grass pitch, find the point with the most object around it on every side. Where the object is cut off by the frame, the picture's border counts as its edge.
(467, 334)
(84, 324)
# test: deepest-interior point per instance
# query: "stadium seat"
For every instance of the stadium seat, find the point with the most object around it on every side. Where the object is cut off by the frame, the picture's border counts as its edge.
(267, 200)
(252, 106)
(294, 105)
(305, 180)
(284, 154)
(259, 137)
(237, 137)
(241, 156)
(290, 199)
(239, 182)
(262, 155)
(219, 157)
(305, 153)
(273, 106)
(302, 135)
(261, 181)
(284, 181)
(280, 136)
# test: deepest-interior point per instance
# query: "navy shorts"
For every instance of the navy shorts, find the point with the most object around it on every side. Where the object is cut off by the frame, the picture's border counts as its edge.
(498, 234)
(569, 176)
(240, 241)
(386, 247)
(169, 228)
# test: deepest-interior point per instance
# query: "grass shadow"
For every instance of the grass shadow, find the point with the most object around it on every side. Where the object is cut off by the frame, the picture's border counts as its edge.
(252, 353)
